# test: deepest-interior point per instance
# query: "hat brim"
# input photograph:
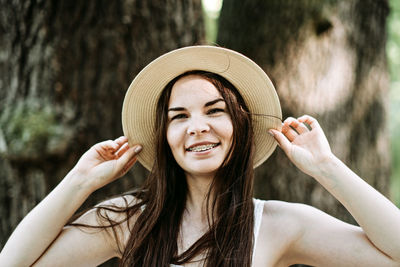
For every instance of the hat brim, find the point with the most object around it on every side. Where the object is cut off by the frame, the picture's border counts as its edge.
(139, 107)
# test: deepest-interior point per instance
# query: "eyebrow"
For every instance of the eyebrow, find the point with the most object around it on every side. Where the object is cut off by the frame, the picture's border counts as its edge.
(210, 103)
(213, 102)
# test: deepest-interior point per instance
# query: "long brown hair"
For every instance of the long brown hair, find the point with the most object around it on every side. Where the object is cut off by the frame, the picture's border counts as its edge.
(229, 240)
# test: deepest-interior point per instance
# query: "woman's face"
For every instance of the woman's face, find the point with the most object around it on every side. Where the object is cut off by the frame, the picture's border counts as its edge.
(199, 130)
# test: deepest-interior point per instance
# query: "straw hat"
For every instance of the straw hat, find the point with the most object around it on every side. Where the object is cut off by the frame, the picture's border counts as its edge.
(139, 108)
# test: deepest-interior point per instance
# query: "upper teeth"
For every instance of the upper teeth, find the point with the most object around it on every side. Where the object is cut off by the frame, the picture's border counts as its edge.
(202, 147)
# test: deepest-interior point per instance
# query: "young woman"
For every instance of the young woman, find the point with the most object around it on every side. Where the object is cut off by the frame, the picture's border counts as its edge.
(202, 118)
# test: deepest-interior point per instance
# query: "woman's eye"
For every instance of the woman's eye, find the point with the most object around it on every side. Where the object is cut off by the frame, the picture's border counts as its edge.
(215, 110)
(179, 116)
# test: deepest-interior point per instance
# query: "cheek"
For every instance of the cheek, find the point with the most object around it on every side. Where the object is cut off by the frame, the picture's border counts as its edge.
(169, 137)
(173, 137)
(230, 133)
(224, 129)
(227, 129)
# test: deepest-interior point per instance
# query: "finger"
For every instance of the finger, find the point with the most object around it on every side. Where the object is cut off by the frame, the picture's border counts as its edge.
(106, 146)
(289, 132)
(127, 156)
(125, 163)
(310, 121)
(128, 166)
(122, 150)
(283, 142)
(297, 126)
(289, 120)
(121, 140)
(301, 128)
(125, 148)
(292, 123)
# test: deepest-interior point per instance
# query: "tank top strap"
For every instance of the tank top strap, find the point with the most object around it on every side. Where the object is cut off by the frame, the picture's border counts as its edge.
(258, 212)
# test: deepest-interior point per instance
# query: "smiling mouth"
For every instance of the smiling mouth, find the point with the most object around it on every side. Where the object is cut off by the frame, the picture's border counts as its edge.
(201, 148)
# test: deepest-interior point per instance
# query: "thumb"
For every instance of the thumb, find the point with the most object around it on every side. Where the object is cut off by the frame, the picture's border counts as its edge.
(283, 142)
(127, 159)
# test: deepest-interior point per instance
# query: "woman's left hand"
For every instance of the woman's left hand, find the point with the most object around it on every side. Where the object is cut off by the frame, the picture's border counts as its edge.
(306, 148)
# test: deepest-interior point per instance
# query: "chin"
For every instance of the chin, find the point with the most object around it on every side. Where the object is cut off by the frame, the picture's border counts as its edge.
(202, 169)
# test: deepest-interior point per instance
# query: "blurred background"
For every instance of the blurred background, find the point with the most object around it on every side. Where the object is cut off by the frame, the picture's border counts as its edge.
(393, 54)
(65, 67)
(212, 10)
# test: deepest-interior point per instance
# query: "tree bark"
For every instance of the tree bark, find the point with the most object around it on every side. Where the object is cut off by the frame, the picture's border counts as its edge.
(326, 59)
(64, 70)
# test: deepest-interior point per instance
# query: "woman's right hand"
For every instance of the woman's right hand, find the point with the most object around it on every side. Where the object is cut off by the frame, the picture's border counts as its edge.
(104, 162)
(40, 239)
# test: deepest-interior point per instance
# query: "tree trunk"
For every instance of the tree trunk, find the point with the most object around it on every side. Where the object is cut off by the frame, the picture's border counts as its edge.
(326, 59)
(64, 70)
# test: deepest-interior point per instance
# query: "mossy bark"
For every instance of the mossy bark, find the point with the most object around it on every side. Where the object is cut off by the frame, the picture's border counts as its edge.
(64, 70)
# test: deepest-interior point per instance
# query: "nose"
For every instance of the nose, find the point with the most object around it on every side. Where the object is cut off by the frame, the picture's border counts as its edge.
(197, 126)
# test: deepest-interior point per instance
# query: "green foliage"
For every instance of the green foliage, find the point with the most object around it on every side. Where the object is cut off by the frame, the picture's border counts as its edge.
(393, 52)
(211, 25)
(27, 127)
(393, 44)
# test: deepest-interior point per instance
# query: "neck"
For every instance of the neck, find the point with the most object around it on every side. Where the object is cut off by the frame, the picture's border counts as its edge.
(198, 188)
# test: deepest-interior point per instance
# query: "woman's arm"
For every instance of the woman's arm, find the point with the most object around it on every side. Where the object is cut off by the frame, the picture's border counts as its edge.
(378, 217)
(100, 165)
(301, 234)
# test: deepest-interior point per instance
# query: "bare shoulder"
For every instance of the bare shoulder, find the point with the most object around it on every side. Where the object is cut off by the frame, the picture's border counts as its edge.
(282, 225)
(278, 231)
(109, 210)
(116, 204)
(292, 220)
(112, 215)
(277, 212)
(282, 218)
(291, 214)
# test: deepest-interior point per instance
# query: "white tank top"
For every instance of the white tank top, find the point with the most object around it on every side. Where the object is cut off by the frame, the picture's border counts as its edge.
(258, 212)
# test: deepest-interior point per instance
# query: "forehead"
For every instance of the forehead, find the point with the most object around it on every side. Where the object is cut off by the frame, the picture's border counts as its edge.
(193, 88)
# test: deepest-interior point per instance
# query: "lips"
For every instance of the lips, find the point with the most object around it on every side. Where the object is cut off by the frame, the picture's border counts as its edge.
(201, 147)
